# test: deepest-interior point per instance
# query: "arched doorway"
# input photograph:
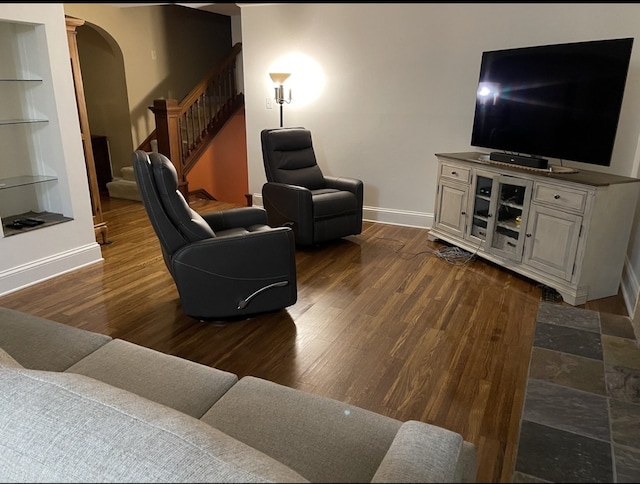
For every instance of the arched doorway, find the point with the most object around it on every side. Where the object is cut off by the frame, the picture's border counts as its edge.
(105, 89)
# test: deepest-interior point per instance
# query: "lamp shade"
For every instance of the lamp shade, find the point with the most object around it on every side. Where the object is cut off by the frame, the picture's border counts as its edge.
(279, 77)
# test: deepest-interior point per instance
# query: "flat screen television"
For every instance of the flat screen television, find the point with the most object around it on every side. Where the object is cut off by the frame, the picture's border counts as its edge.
(559, 101)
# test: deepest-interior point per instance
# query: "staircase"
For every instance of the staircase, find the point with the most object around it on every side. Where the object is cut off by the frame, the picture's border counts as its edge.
(185, 129)
(124, 186)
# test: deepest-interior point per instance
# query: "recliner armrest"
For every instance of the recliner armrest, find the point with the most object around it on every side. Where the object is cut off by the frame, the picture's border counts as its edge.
(352, 185)
(288, 203)
(292, 190)
(235, 217)
(264, 247)
(235, 269)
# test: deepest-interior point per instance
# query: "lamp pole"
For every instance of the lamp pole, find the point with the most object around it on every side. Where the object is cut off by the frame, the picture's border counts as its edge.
(279, 78)
(280, 99)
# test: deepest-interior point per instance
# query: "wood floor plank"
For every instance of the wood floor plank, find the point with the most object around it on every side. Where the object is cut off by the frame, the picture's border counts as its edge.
(381, 322)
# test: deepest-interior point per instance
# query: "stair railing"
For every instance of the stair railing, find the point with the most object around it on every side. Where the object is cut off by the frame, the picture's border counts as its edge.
(185, 128)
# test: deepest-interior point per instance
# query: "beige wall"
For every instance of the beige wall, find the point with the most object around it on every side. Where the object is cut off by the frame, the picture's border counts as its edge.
(400, 85)
(153, 52)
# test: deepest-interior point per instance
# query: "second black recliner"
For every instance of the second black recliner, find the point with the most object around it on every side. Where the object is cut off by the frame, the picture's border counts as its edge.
(319, 208)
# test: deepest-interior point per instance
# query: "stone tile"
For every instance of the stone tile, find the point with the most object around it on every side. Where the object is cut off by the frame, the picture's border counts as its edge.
(569, 316)
(558, 456)
(582, 401)
(568, 370)
(622, 383)
(568, 340)
(616, 325)
(625, 423)
(566, 409)
(620, 351)
(627, 463)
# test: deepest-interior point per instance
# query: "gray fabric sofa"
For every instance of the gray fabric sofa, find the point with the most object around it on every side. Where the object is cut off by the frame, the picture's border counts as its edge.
(80, 406)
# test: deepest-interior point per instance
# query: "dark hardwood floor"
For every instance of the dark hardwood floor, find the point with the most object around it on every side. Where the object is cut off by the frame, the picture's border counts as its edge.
(381, 322)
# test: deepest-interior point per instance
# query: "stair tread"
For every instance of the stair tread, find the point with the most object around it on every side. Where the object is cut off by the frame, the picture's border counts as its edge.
(127, 173)
(121, 188)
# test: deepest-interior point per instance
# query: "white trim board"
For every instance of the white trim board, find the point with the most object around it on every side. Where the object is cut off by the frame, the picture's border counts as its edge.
(40, 270)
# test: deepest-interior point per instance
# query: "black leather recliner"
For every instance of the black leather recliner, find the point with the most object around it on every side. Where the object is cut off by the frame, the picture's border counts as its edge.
(225, 264)
(319, 208)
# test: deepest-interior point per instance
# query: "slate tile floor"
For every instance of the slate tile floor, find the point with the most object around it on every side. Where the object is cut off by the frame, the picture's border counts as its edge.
(581, 415)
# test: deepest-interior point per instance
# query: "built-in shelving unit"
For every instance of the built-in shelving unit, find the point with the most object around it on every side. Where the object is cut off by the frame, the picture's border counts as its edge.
(28, 177)
(46, 224)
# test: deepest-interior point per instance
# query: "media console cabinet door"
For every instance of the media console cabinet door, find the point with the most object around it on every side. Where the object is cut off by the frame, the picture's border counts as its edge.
(552, 241)
(452, 203)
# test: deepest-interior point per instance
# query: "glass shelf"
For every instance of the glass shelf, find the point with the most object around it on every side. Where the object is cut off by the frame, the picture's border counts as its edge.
(22, 121)
(18, 181)
(46, 220)
(5, 79)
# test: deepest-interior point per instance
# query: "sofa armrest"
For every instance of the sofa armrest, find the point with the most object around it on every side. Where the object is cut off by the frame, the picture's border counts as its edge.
(422, 452)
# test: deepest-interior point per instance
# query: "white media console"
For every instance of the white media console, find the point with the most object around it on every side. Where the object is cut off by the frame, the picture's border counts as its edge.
(567, 230)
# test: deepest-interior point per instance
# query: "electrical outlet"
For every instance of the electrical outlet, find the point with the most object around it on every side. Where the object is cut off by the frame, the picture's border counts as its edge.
(269, 103)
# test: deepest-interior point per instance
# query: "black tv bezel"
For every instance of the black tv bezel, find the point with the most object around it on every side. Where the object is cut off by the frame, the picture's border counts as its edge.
(625, 45)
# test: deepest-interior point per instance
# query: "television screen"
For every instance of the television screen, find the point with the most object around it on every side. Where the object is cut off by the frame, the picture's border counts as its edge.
(561, 101)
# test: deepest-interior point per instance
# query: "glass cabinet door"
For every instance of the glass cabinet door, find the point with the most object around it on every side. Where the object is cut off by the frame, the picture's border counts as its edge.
(481, 206)
(510, 201)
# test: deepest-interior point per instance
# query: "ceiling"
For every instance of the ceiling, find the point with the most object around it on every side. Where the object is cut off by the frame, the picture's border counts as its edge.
(221, 8)
(228, 9)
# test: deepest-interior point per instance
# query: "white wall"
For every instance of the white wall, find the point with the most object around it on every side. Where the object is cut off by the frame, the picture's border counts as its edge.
(400, 84)
(40, 254)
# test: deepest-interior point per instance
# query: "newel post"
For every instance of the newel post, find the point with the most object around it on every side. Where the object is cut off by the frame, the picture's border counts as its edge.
(167, 113)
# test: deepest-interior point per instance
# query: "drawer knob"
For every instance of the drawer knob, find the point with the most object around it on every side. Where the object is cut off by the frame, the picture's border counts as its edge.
(463, 213)
(528, 235)
(455, 173)
(556, 196)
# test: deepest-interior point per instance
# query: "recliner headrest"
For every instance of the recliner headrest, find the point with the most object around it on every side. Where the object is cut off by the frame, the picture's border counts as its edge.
(290, 139)
(187, 220)
(289, 157)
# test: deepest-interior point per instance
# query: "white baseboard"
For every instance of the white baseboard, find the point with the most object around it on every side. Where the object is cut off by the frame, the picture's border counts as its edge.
(384, 215)
(37, 271)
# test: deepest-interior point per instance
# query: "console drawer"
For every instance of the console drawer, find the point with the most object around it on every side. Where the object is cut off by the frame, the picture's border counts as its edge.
(455, 172)
(561, 197)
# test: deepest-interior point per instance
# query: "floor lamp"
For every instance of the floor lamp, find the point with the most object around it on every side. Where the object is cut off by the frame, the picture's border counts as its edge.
(278, 78)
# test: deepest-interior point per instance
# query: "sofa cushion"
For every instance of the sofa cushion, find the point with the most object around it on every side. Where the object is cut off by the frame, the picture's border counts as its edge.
(63, 427)
(41, 344)
(175, 382)
(325, 440)
(6, 361)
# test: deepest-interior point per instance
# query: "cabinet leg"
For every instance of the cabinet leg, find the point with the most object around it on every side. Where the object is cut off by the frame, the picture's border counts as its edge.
(102, 234)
